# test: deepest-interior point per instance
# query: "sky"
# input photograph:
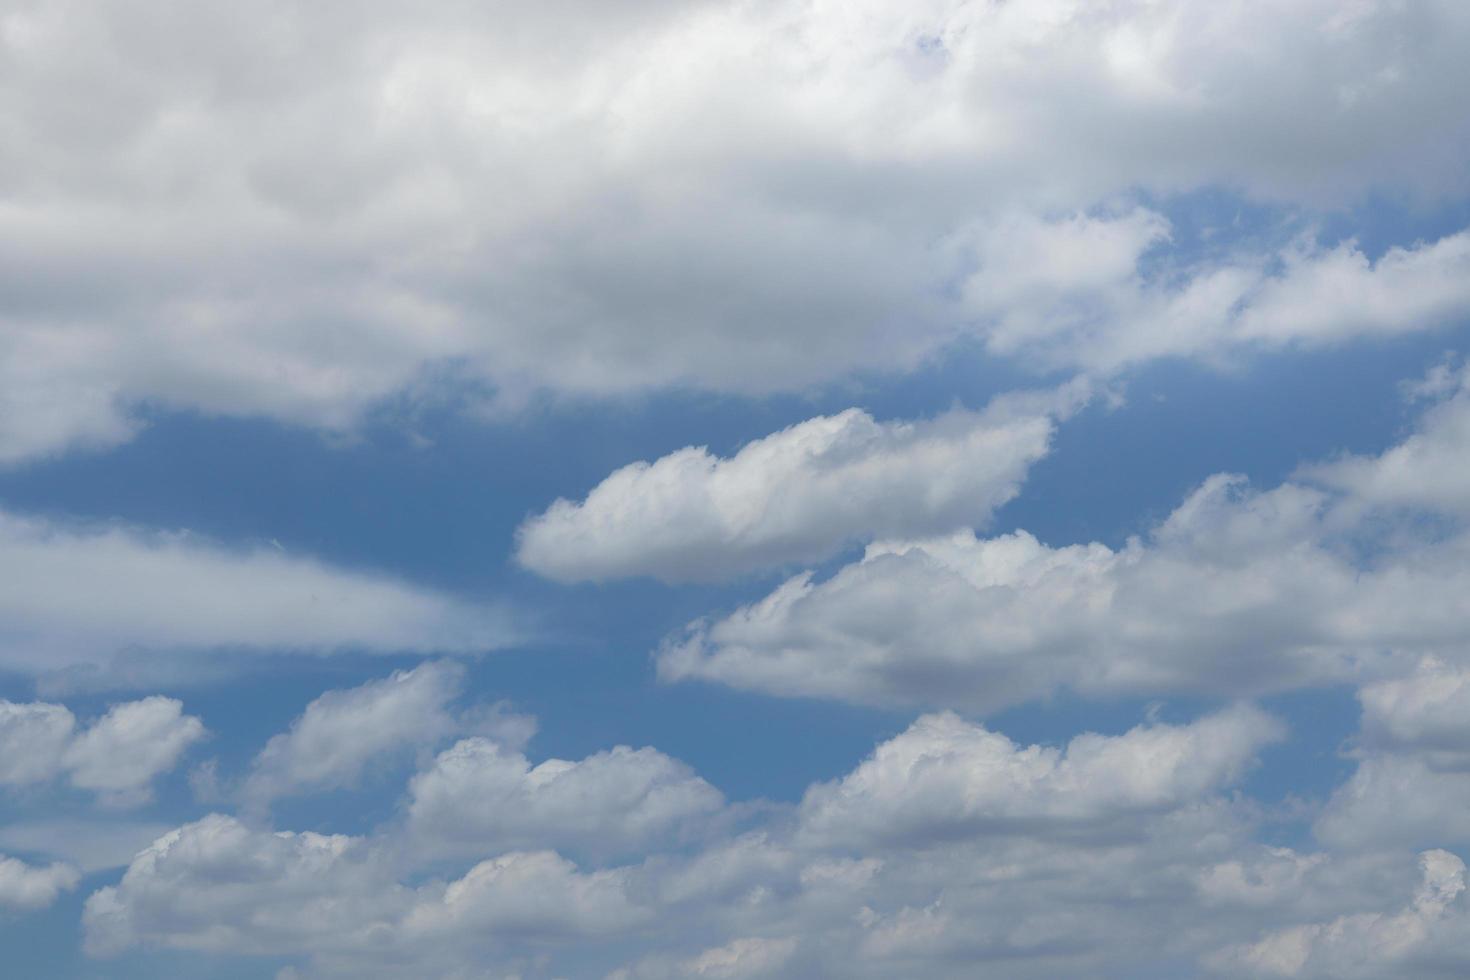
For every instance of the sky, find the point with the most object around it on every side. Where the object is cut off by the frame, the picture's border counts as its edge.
(734, 488)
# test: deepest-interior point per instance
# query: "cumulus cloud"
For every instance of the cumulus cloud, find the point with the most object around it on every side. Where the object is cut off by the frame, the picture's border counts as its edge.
(1397, 800)
(797, 495)
(950, 845)
(1231, 594)
(116, 757)
(1238, 590)
(216, 885)
(1412, 784)
(1425, 711)
(122, 752)
(299, 212)
(479, 796)
(71, 595)
(26, 888)
(342, 733)
(1365, 944)
(528, 894)
(945, 778)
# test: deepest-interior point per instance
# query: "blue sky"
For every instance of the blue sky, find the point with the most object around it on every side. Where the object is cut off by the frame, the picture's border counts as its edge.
(735, 490)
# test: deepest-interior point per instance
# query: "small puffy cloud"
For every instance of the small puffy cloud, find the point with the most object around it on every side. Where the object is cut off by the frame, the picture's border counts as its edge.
(342, 732)
(798, 495)
(1365, 944)
(116, 757)
(73, 595)
(26, 888)
(122, 752)
(945, 778)
(479, 797)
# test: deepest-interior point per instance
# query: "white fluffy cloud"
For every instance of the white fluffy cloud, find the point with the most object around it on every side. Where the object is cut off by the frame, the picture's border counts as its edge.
(1237, 591)
(797, 495)
(299, 211)
(27, 888)
(481, 797)
(217, 885)
(116, 757)
(1232, 594)
(946, 778)
(949, 844)
(1069, 293)
(121, 753)
(343, 732)
(70, 595)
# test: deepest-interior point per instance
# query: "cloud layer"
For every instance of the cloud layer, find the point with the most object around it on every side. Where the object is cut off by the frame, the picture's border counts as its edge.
(886, 868)
(303, 212)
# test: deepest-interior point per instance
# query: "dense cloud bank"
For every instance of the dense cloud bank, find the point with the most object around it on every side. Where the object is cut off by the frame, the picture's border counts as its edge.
(301, 212)
(949, 845)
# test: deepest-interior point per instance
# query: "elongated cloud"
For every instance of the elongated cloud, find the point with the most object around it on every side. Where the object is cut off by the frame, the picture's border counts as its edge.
(796, 495)
(1070, 293)
(80, 594)
(945, 778)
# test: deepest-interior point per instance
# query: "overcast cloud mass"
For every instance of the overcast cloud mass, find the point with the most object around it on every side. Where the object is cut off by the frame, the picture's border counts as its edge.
(734, 489)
